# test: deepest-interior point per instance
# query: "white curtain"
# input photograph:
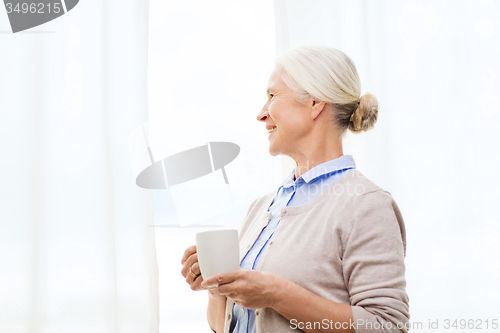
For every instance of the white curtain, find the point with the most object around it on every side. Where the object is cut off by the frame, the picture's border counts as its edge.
(434, 67)
(77, 253)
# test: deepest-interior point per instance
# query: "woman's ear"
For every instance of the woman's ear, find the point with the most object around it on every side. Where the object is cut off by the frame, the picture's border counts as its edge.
(317, 106)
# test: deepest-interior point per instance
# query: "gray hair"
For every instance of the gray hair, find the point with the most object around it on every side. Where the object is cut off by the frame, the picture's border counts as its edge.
(327, 74)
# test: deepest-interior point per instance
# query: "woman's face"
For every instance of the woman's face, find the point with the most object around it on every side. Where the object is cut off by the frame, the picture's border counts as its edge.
(287, 120)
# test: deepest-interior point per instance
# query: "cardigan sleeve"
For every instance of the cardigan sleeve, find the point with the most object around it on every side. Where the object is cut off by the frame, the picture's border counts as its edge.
(373, 265)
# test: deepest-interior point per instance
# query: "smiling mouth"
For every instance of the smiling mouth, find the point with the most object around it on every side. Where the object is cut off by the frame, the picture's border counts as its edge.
(271, 130)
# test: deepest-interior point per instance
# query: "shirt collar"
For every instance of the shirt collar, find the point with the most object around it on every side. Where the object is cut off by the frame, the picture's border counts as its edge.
(343, 162)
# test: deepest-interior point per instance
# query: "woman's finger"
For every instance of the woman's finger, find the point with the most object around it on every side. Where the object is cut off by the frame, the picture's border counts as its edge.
(221, 278)
(227, 289)
(188, 264)
(196, 268)
(196, 284)
(194, 279)
(188, 252)
(192, 273)
(190, 278)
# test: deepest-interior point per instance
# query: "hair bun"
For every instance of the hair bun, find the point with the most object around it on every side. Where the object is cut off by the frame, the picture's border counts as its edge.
(365, 116)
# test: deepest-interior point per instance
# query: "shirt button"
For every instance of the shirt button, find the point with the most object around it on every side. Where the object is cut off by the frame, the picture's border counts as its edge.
(229, 316)
(256, 312)
(242, 310)
(270, 242)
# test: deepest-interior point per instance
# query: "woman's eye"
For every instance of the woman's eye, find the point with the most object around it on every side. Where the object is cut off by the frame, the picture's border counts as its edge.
(272, 95)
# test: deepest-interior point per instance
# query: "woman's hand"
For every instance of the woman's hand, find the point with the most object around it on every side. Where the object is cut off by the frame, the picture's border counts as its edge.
(191, 269)
(247, 288)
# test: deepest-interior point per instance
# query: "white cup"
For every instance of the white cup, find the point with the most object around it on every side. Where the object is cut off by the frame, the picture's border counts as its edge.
(218, 251)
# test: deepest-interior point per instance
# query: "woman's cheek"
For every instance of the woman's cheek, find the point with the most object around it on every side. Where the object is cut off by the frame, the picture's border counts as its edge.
(270, 109)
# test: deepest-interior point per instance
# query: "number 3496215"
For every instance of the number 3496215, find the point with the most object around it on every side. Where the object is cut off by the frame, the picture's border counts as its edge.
(477, 324)
(33, 8)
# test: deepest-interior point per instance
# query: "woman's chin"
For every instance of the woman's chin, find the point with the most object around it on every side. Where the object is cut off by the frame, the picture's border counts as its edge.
(273, 151)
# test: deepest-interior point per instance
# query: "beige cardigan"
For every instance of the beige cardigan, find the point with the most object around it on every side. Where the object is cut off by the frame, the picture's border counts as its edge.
(347, 245)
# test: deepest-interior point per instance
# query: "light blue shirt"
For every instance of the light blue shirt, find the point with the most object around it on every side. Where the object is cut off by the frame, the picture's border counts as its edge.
(291, 193)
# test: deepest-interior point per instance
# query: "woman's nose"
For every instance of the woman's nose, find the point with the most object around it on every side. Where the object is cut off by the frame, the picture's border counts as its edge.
(263, 114)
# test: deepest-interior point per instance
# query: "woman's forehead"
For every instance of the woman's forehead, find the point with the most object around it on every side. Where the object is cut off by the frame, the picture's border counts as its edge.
(275, 82)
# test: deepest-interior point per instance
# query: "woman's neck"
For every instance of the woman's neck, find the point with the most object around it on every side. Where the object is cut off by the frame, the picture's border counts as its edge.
(323, 143)
(316, 156)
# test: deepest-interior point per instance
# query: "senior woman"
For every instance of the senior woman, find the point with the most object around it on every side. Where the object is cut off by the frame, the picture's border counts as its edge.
(325, 251)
